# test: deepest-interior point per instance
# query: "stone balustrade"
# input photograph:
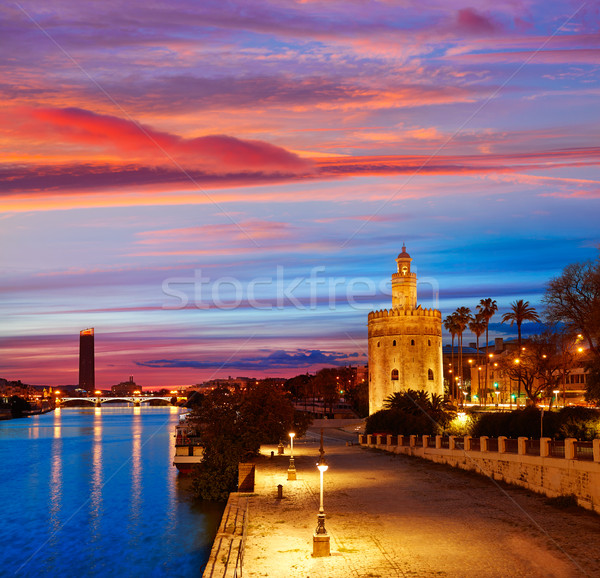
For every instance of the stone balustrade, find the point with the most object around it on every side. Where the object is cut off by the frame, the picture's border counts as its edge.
(554, 468)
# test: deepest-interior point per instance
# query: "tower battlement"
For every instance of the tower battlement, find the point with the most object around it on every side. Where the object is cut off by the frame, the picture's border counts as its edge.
(395, 312)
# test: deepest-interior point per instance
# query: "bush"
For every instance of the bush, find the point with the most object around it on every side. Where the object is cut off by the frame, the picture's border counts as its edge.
(231, 426)
(581, 423)
(398, 422)
(462, 425)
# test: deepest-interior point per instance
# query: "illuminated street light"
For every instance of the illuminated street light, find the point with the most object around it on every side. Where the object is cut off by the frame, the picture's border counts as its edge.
(556, 392)
(320, 537)
(292, 467)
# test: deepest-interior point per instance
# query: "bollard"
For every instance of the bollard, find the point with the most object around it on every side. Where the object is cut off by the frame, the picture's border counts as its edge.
(279, 491)
(272, 454)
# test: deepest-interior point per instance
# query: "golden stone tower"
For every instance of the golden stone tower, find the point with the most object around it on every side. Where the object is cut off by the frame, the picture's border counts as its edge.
(405, 342)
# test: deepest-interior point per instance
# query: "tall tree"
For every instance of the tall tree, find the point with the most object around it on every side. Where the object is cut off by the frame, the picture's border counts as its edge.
(573, 299)
(451, 326)
(540, 365)
(520, 311)
(486, 309)
(477, 327)
(463, 317)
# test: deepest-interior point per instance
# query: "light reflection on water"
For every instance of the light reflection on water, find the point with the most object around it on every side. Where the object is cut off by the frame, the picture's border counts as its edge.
(92, 492)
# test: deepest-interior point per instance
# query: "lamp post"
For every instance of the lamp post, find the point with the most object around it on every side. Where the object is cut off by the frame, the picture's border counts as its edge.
(321, 537)
(555, 392)
(292, 467)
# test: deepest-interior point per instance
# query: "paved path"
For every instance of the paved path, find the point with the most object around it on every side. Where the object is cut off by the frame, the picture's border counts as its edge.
(391, 515)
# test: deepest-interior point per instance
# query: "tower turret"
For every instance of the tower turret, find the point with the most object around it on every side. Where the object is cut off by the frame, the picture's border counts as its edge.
(404, 283)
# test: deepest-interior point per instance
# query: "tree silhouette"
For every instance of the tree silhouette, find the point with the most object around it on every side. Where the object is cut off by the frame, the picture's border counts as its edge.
(477, 327)
(462, 316)
(452, 326)
(520, 312)
(486, 309)
(573, 299)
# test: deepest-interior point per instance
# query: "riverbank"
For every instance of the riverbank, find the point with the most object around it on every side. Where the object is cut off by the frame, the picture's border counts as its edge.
(391, 515)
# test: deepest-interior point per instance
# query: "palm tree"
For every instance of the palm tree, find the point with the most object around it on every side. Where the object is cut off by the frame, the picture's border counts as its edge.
(520, 311)
(462, 316)
(486, 309)
(477, 327)
(451, 326)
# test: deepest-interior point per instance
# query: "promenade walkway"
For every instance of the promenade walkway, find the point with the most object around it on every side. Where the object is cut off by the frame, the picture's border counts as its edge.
(391, 515)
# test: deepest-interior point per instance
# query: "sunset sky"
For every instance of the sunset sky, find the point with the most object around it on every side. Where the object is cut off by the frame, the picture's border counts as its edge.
(221, 188)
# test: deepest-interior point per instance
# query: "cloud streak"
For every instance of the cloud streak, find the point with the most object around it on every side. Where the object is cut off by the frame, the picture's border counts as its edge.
(278, 359)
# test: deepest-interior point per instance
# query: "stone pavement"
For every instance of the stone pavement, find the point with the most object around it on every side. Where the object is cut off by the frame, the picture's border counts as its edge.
(391, 515)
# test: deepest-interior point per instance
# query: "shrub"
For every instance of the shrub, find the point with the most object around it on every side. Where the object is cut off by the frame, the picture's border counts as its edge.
(398, 422)
(581, 423)
(462, 425)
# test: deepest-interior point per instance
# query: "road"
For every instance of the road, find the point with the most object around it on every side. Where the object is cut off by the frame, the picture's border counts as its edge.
(390, 515)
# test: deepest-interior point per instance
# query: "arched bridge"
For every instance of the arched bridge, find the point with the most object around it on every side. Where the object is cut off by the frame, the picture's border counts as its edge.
(99, 400)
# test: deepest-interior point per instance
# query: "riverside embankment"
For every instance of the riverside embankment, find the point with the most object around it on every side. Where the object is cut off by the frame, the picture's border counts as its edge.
(392, 515)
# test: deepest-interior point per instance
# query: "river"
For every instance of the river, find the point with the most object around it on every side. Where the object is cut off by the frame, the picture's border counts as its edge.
(92, 492)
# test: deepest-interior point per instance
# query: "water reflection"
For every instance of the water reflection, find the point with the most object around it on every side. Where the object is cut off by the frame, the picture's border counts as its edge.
(96, 486)
(136, 477)
(97, 495)
(56, 484)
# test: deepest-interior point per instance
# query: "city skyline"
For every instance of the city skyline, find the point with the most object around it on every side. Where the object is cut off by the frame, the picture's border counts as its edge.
(222, 190)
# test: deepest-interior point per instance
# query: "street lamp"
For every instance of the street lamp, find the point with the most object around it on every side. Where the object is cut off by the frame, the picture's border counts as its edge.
(321, 537)
(556, 392)
(292, 467)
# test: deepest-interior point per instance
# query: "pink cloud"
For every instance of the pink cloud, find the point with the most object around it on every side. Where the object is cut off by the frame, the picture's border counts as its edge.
(216, 154)
(469, 21)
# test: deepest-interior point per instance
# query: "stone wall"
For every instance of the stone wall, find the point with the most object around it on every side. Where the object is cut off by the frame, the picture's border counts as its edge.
(227, 552)
(552, 476)
(409, 341)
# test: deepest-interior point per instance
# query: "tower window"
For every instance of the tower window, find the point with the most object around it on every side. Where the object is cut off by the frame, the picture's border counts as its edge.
(429, 342)
(412, 341)
(394, 343)
(430, 375)
(378, 343)
(394, 374)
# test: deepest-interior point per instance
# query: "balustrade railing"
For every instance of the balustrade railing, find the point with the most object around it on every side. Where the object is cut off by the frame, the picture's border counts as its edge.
(532, 447)
(492, 445)
(556, 449)
(584, 451)
(581, 450)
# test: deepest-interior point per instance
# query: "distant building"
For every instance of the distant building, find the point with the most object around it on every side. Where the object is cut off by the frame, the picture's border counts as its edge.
(126, 387)
(405, 342)
(231, 383)
(87, 374)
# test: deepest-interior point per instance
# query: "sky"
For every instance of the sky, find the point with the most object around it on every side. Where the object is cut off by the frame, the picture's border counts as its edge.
(221, 188)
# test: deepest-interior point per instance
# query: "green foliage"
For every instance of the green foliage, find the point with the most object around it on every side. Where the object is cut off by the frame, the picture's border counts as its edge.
(421, 403)
(231, 426)
(18, 406)
(398, 422)
(581, 423)
(410, 412)
(302, 420)
(592, 388)
(576, 422)
(462, 425)
(519, 423)
(217, 475)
